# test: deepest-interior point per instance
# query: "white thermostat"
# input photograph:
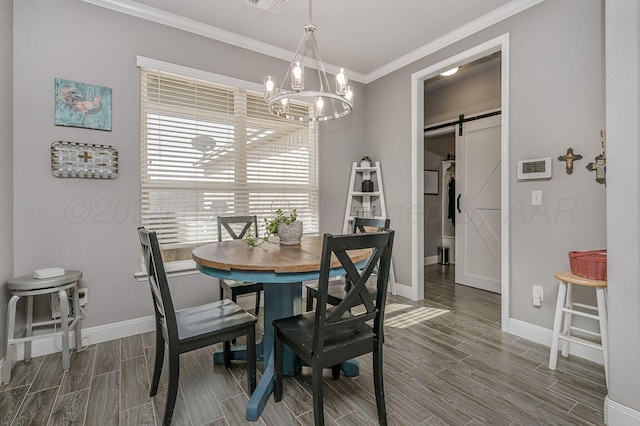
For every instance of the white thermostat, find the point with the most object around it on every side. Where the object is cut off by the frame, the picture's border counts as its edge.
(536, 168)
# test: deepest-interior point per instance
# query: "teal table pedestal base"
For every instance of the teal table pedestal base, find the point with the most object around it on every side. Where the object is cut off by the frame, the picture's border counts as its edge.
(282, 299)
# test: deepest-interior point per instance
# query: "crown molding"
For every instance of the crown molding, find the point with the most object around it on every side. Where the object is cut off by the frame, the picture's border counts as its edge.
(180, 22)
(153, 14)
(500, 14)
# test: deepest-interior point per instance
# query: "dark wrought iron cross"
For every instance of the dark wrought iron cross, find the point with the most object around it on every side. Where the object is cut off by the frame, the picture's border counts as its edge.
(570, 157)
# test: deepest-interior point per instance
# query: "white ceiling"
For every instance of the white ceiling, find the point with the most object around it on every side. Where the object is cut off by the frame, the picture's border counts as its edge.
(368, 37)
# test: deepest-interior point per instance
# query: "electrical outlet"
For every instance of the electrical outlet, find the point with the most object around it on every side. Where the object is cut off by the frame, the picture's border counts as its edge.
(538, 295)
(83, 296)
(55, 302)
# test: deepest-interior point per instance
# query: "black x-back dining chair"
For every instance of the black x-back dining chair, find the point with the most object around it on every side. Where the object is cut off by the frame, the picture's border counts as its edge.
(339, 288)
(191, 328)
(332, 335)
(238, 288)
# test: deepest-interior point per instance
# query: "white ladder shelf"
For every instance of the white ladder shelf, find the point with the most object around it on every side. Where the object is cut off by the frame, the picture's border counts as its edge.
(366, 204)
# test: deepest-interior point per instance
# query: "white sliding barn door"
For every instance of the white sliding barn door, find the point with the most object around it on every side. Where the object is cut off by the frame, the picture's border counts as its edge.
(478, 215)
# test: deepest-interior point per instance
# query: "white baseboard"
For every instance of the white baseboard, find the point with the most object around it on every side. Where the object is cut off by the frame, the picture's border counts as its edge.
(616, 414)
(118, 330)
(430, 260)
(433, 260)
(404, 291)
(543, 336)
(90, 336)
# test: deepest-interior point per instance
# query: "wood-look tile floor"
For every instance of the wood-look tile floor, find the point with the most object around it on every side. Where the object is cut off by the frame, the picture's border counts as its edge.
(446, 362)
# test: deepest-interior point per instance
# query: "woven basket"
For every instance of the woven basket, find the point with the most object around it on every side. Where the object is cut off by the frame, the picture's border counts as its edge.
(589, 264)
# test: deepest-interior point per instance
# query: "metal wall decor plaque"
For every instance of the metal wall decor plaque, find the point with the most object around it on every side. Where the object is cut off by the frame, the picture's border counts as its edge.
(83, 160)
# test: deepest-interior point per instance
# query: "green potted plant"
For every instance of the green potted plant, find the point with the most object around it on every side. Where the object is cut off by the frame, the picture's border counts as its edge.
(365, 161)
(286, 226)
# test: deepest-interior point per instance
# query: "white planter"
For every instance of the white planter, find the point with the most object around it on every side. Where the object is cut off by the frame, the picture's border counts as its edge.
(365, 163)
(290, 235)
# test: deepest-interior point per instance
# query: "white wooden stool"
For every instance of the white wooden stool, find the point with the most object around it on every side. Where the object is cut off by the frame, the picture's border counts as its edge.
(565, 310)
(28, 286)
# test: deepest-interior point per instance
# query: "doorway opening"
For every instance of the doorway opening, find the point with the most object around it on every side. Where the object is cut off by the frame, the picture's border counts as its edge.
(498, 46)
(439, 205)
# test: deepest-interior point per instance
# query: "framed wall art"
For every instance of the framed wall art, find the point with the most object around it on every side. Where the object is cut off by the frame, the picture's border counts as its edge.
(82, 105)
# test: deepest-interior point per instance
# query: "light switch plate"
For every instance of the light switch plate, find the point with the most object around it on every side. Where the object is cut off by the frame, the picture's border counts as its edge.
(536, 198)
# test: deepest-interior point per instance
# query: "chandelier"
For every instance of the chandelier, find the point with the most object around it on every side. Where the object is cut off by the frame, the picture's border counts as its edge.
(316, 90)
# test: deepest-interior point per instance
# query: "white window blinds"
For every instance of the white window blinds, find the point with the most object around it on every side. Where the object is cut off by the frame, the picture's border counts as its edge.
(211, 150)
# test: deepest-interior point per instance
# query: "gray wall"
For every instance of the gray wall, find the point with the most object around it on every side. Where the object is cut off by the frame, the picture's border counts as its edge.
(623, 199)
(556, 101)
(469, 91)
(341, 143)
(91, 224)
(6, 157)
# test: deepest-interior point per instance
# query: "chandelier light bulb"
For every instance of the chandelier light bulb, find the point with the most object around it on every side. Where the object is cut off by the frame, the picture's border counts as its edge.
(269, 87)
(349, 94)
(341, 82)
(319, 106)
(285, 104)
(297, 76)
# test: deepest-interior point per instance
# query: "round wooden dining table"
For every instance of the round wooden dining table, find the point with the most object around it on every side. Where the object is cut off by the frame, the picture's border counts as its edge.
(281, 269)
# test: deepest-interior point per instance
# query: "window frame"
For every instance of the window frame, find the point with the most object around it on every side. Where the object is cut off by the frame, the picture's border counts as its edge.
(184, 267)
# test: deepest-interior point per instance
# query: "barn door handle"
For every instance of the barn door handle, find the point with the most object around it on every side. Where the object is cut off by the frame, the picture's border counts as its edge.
(458, 203)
